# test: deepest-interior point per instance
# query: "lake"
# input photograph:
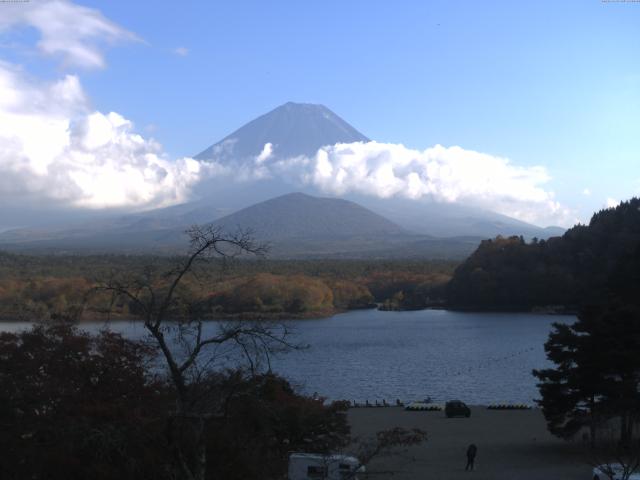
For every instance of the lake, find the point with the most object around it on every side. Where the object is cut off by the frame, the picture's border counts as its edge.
(361, 355)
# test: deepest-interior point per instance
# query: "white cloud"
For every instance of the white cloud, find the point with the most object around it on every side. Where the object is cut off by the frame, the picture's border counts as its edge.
(266, 153)
(586, 192)
(181, 51)
(71, 32)
(442, 174)
(611, 202)
(53, 146)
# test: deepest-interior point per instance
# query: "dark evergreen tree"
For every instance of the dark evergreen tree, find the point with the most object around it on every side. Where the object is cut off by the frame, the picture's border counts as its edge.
(587, 265)
(596, 375)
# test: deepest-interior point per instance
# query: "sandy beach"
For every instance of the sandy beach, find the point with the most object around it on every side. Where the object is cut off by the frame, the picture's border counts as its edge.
(512, 445)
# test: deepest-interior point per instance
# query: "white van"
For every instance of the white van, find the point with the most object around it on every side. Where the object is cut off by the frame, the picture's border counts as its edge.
(315, 466)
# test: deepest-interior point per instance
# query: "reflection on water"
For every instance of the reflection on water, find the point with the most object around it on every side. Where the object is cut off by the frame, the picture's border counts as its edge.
(477, 357)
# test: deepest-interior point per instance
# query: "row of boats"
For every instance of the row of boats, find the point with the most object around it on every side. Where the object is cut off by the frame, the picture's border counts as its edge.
(427, 405)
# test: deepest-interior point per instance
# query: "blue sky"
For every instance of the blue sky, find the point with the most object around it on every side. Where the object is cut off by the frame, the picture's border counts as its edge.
(547, 83)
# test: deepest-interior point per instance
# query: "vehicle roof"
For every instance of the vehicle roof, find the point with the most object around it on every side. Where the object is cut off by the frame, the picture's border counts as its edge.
(320, 456)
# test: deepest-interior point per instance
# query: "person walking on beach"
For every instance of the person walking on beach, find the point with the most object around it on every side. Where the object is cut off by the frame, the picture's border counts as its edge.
(471, 456)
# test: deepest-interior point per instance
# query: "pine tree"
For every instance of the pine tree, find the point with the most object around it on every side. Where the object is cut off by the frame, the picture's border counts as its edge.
(597, 372)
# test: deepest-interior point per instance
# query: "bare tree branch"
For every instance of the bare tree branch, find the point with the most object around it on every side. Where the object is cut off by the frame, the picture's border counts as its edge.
(158, 299)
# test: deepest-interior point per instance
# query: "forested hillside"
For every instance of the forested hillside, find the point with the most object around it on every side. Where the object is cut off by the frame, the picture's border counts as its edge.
(44, 287)
(588, 264)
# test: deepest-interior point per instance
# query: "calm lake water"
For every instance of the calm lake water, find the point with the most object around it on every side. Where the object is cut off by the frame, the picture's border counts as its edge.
(363, 355)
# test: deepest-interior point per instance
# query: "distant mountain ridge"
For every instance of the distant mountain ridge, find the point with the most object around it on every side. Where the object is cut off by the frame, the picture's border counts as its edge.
(438, 219)
(295, 225)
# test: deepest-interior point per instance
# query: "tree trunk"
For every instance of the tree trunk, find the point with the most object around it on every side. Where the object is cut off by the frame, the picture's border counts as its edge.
(200, 459)
(187, 442)
(593, 425)
(625, 424)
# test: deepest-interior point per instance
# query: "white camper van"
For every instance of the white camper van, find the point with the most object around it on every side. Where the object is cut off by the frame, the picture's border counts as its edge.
(315, 466)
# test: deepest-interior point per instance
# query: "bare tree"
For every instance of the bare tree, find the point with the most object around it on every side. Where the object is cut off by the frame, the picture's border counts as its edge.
(170, 315)
(386, 443)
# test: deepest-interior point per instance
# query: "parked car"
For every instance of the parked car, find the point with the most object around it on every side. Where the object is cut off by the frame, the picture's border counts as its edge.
(456, 408)
(612, 471)
(315, 466)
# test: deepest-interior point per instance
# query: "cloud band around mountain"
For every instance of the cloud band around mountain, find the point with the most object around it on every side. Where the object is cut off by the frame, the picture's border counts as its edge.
(54, 148)
(444, 174)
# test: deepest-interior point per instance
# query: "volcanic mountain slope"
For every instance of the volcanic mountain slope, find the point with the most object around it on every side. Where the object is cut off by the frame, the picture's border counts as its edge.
(297, 215)
(299, 225)
(296, 129)
(293, 129)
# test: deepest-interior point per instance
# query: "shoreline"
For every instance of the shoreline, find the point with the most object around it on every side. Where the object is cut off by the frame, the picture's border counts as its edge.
(249, 316)
(541, 310)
